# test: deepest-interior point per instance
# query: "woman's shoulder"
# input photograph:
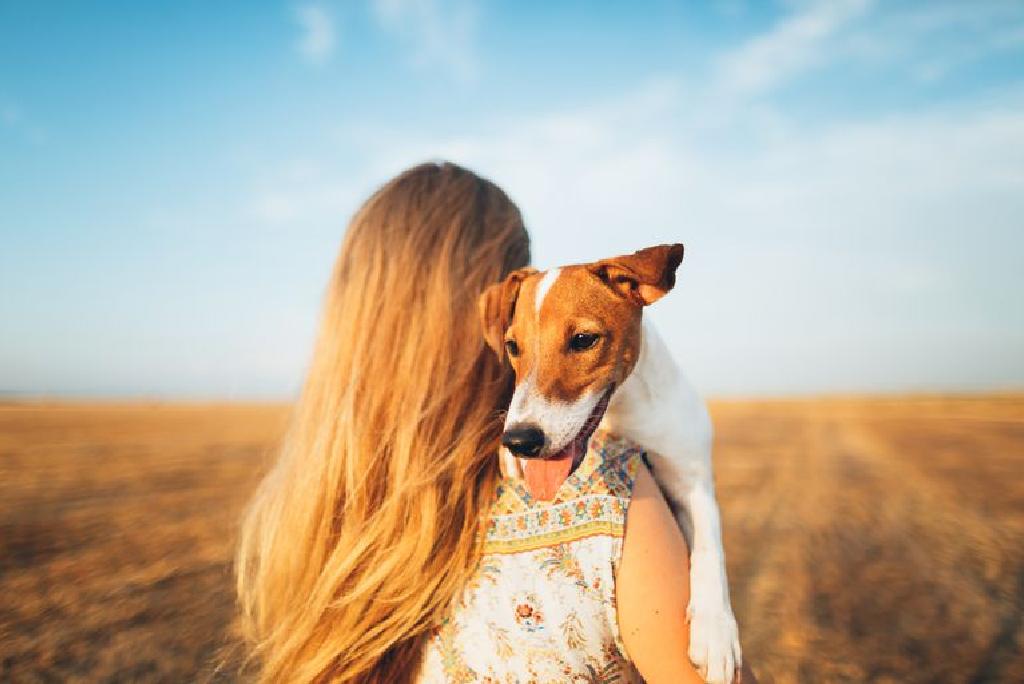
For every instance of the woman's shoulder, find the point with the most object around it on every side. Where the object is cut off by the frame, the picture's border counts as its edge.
(616, 464)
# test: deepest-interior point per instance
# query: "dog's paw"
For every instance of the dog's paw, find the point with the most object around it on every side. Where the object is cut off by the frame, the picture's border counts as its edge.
(714, 643)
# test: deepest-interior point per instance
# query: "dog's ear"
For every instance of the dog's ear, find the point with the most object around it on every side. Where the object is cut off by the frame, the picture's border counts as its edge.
(497, 304)
(643, 277)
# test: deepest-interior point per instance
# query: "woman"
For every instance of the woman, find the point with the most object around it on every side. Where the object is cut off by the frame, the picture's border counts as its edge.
(365, 539)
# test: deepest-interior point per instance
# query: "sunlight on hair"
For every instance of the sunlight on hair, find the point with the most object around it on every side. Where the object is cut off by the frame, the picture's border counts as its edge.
(367, 528)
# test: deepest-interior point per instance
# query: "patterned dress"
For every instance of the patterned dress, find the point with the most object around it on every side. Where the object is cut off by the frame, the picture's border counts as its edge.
(541, 606)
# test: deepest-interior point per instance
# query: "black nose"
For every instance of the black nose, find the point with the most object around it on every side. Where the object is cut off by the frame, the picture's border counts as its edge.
(523, 440)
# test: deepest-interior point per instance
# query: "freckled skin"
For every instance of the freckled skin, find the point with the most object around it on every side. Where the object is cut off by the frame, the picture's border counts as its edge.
(578, 302)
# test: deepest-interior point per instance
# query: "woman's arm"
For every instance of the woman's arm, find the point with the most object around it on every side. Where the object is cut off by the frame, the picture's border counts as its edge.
(653, 589)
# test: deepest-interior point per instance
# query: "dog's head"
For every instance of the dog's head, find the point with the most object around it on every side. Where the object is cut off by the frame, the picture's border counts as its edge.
(572, 335)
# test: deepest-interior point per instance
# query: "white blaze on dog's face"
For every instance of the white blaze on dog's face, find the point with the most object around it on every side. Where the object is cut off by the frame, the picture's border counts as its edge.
(572, 335)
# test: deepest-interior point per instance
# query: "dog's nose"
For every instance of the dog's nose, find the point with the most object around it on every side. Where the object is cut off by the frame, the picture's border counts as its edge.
(523, 440)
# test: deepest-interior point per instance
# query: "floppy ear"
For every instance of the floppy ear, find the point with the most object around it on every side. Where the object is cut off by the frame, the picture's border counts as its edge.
(497, 304)
(643, 277)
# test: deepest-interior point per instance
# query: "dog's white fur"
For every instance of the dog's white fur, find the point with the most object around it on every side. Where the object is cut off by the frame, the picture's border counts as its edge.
(543, 287)
(561, 421)
(657, 408)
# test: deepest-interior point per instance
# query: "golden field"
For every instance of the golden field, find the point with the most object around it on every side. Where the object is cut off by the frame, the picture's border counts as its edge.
(868, 539)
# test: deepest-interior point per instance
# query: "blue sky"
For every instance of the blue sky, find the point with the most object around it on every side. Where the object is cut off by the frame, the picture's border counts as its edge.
(848, 177)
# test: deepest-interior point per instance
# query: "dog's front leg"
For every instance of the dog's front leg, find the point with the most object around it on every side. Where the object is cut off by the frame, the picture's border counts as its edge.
(714, 637)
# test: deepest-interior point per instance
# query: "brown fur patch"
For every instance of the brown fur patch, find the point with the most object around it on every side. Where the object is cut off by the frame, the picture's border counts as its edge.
(606, 297)
(497, 305)
(644, 276)
(578, 302)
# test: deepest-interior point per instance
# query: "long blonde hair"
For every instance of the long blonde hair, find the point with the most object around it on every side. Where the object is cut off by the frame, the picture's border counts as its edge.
(367, 528)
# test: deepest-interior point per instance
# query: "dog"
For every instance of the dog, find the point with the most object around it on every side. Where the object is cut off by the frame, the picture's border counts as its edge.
(584, 358)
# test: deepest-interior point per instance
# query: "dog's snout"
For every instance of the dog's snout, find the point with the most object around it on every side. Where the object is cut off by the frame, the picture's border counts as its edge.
(524, 440)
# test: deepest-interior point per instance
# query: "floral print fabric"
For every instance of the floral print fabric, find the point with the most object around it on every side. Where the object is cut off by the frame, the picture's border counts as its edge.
(541, 606)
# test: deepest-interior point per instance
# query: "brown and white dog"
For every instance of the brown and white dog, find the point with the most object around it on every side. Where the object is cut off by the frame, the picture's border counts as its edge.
(584, 357)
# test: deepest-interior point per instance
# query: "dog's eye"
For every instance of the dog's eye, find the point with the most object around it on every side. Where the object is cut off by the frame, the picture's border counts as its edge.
(512, 348)
(583, 341)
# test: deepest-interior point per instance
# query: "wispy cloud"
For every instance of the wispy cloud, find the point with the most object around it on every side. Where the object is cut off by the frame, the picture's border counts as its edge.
(797, 44)
(848, 179)
(303, 192)
(319, 34)
(820, 255)
(862, 228)
(933, 39)
(440, 34)
(923, 42)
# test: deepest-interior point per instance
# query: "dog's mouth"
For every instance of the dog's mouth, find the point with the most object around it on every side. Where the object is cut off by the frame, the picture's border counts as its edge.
(545, 474)
(574, 451)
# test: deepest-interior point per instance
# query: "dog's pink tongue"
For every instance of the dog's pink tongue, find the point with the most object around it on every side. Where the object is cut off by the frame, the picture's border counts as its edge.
(545, 476)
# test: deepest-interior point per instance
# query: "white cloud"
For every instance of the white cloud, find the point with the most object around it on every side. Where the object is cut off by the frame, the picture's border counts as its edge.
(930, 40)
(868, 254)
(806, 249)
(797, 44)
(440, 34)
(322, 198)
(318, 40)
(927, 40)
(300, 192)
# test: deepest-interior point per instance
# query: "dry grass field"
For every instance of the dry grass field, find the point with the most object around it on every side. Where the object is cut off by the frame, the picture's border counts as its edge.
(867, 539)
